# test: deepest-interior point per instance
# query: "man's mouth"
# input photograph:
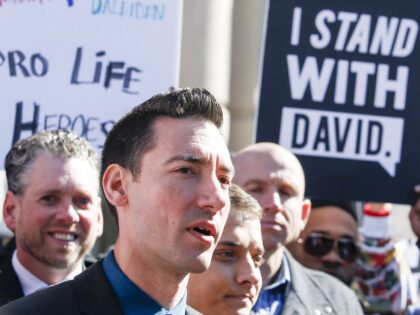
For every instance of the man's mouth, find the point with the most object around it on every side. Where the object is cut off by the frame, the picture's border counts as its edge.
(240, 300)
(67, 237)
(204, 231)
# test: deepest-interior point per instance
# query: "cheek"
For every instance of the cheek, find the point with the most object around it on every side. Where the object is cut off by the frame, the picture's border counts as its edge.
(208, 285)
(171, 195)
(33, 216)
(88, 219)
(218, 278)
(294, 209)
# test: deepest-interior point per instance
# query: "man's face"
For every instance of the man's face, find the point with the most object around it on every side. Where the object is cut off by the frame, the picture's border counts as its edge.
(330, 222)
(415, 218)
(276, 180)
(178, 204)
(58, 217)
(233, 281)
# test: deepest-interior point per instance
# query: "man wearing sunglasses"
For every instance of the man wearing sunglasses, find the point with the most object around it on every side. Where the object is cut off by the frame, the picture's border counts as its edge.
(274, 176)
(329, 240)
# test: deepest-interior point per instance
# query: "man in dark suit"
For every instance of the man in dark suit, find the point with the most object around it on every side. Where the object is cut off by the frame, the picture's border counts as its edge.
(274, 176)
(166, 172)
(53, 208)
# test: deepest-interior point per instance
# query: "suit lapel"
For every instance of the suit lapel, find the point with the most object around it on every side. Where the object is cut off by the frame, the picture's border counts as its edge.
(95, 294)
(296, 300)
(10, 288)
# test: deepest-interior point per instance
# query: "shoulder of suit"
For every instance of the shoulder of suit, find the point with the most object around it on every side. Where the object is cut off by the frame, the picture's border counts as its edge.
(321, 279)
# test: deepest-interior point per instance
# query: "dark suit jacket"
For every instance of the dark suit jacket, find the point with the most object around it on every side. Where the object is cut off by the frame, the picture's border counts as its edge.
(10, 287)
(89, 293)
(314, 292)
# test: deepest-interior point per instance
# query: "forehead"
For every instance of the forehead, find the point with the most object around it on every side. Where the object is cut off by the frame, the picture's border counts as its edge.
(331, 220)
(268, 167)
(48, 172)
(246, 232)
(191, 136)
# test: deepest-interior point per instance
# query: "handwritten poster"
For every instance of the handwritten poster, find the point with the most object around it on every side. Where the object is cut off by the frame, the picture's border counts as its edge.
(81, 65)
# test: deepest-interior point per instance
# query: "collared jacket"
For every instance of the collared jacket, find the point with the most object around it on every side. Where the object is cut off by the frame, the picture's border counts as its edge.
(89, 293)
(317, 293)
(10, 287)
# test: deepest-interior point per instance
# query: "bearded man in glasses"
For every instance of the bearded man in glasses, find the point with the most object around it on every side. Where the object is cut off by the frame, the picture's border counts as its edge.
(274, 176)
(329, 240)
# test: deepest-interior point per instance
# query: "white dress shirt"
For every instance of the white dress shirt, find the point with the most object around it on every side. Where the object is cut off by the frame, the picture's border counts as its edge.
(31, 283)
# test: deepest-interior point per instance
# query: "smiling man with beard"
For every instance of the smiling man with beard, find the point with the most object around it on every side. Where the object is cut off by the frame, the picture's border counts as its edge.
(53, 208)
(274, 176)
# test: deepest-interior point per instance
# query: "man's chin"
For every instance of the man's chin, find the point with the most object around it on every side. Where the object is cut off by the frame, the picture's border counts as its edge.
(200, 264)
(274, 241)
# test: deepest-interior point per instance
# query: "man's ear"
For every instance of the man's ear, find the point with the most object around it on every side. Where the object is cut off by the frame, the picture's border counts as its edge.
(10, 210)
(306, 211)
(100, 219)
(114, 184)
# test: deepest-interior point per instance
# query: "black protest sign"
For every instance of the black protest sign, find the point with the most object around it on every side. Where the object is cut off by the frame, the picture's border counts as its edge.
(341, 89)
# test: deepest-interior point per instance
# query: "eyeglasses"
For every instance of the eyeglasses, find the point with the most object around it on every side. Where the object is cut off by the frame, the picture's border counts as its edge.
(320, 245)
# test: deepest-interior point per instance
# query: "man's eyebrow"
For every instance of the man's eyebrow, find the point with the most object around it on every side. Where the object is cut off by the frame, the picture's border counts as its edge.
(191, 158)
(328, 233)
(230, 243)
(254, 181)
(187, 158)
(290, 181)
(228, 170)
(49, 191)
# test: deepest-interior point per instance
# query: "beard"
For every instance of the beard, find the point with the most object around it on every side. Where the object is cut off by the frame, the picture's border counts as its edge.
(58, 257)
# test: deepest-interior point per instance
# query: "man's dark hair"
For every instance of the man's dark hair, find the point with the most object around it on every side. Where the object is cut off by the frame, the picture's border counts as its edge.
(133, 135)
(343, 205)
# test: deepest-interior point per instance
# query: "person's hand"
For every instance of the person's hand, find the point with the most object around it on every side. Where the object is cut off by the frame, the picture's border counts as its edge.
(415, 213)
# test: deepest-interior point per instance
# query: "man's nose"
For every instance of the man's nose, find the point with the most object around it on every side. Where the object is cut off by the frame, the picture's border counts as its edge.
(272, 201)
(67, 213)
(212, 195)
(332, 257)
(248, 272)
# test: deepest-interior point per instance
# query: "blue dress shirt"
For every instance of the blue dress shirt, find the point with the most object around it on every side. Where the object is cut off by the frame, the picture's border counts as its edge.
(271, 298)
(133, 300)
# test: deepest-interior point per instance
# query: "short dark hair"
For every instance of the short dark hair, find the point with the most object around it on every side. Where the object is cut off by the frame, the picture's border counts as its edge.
(346, 206)
(133, 135)
(59, 143)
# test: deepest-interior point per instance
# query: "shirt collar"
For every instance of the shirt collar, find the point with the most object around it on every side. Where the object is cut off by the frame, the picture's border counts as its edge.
(31, 283)
(272, 297)
(132, 299)
(283, 276)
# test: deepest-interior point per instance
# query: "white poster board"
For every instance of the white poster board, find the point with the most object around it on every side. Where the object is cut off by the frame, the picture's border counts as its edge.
(81, 65)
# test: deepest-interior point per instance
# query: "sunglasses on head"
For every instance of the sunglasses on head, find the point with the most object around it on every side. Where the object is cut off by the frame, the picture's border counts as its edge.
(319, 245)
